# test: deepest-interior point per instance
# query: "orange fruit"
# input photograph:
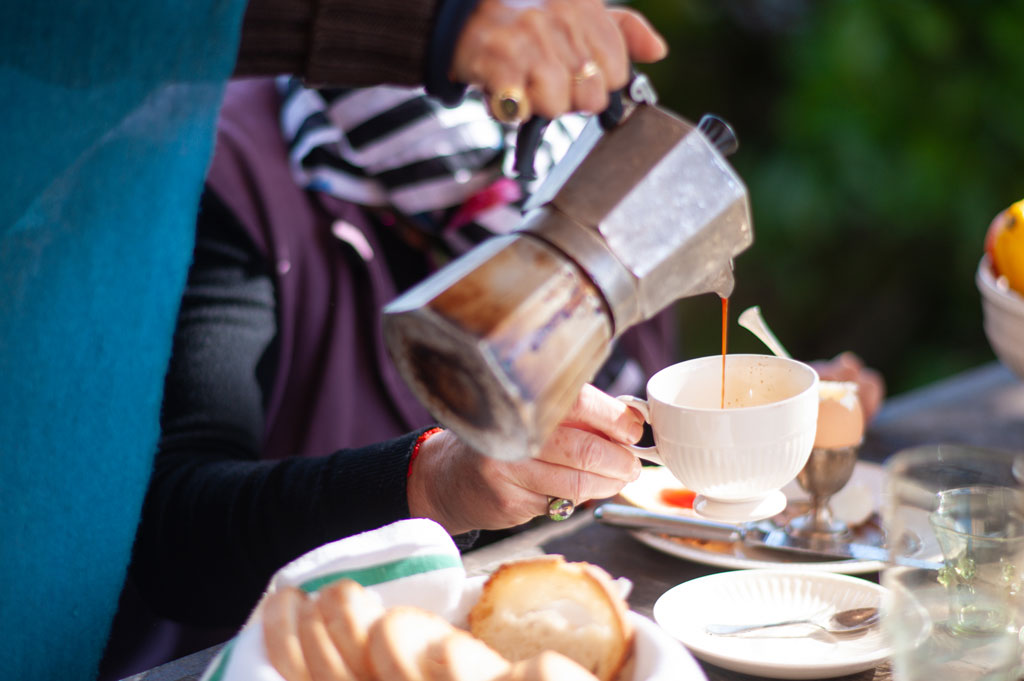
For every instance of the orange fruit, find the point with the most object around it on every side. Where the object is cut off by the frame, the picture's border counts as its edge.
(1004, 243)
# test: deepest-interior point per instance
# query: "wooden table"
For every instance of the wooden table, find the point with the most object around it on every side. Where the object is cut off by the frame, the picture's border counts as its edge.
(982, 407)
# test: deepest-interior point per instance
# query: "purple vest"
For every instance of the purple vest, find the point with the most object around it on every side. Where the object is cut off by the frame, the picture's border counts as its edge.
(334, 386)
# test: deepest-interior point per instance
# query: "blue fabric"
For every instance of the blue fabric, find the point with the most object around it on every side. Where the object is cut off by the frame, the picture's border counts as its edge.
(106, 129)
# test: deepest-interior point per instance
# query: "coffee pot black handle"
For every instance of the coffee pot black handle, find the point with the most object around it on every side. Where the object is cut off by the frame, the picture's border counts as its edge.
(531, 133)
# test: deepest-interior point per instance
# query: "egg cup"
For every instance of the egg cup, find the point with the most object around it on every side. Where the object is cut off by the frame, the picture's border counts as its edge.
(827, 471)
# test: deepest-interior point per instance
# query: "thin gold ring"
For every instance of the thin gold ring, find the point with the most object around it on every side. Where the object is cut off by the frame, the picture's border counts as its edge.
(509, 105)
(588, 70)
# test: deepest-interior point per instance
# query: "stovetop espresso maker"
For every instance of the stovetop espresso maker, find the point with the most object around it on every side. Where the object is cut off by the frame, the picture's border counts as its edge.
(644, 210)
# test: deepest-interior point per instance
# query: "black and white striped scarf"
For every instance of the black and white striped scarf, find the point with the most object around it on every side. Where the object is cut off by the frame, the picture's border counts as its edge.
(396, 148)
(447, 169)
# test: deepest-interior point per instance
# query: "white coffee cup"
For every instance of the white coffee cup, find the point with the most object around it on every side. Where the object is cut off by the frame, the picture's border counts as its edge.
(738, 458)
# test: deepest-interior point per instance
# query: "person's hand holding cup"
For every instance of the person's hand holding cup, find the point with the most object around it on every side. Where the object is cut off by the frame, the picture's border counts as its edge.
(736, 448)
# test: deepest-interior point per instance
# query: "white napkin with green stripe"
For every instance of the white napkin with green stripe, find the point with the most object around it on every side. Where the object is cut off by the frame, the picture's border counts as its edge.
(410, 562)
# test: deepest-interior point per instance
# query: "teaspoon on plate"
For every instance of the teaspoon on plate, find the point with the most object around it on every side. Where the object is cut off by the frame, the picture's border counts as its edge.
(842, 622)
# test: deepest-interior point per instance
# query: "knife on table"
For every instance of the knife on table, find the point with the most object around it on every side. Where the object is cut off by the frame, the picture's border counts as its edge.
(758, 535)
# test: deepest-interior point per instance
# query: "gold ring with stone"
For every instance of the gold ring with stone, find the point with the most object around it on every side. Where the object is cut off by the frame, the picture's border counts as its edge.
(560, 509)
(588, 70)
(509, 105)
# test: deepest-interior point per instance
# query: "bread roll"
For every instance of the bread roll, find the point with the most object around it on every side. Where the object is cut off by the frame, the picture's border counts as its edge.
(548, 666)
(460, 656)
(545, 603)
(399, 640)
(323, 661)
(348, 611)
(281, 633)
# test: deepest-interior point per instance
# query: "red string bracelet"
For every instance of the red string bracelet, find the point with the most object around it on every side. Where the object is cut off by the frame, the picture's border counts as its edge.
(424, 436)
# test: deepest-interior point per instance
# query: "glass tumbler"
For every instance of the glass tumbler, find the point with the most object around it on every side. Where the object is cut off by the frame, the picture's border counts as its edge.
(954, 523)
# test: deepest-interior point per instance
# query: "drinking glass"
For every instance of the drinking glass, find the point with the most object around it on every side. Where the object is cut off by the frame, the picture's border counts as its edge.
(954, 523)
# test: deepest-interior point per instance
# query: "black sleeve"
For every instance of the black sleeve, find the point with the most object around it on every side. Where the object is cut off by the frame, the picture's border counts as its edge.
(217, 521)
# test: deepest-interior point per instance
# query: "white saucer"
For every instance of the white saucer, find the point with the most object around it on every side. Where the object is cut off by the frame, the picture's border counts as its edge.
(792, 652)
(769, 505)
(646, 492)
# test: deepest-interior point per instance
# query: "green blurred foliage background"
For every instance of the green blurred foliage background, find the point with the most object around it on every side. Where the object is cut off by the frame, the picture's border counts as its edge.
(878, 138)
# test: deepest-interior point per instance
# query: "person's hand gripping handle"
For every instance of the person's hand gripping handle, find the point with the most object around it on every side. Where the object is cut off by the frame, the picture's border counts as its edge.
(550, 57)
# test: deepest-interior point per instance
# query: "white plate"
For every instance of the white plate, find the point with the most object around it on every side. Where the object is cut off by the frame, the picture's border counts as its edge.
(792, 652)
(645, 492)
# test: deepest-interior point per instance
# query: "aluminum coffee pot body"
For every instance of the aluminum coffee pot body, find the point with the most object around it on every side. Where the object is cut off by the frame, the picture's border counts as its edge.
(498, 344)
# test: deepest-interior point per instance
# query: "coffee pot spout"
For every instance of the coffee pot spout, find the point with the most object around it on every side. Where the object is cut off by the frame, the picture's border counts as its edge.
(722, 283)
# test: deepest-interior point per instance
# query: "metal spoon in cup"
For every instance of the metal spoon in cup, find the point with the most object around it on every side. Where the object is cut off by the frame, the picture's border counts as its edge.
(841, 622)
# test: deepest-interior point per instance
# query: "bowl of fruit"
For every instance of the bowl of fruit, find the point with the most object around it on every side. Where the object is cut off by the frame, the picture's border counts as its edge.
(1000, 279)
